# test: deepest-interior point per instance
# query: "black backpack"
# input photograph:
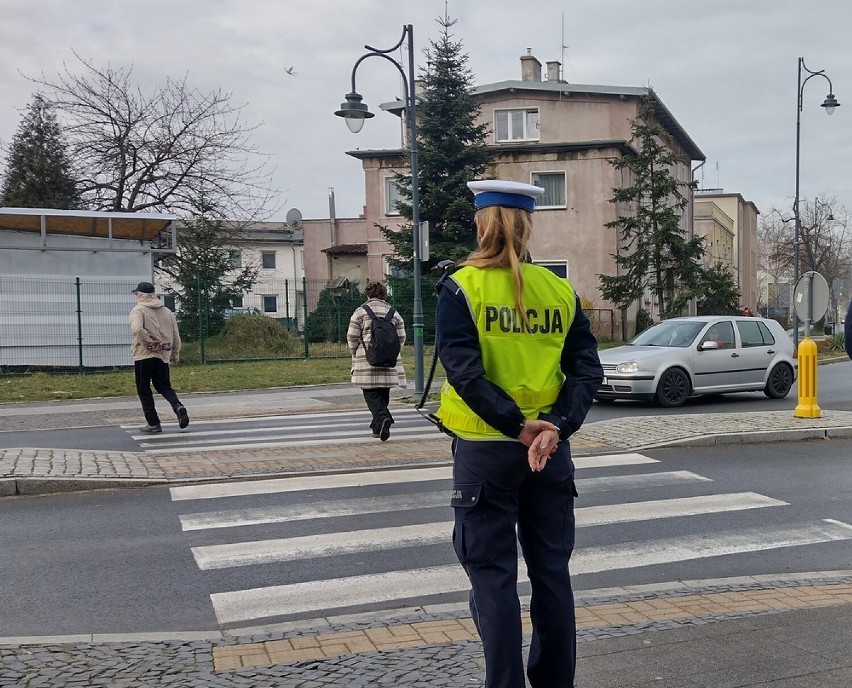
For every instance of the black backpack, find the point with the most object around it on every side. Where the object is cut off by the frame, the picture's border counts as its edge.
(383, 349)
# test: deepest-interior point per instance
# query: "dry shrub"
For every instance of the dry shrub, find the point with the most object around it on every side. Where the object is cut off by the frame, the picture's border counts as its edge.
(257, 334)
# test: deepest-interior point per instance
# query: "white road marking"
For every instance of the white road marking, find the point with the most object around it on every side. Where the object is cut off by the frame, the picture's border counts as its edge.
(337, 593)
(315, 510)
(396, 537)
(274, 485)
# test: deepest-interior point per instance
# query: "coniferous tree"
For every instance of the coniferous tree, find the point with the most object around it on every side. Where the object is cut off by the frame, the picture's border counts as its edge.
(38, 168)
(721, 296)
(654, 251)
(205, 278)
(451, 151)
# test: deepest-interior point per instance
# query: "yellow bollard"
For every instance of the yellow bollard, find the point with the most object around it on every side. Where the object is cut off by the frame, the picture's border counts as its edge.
(808, 407)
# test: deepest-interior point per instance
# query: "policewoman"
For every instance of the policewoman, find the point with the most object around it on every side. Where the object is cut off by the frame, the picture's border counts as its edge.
(522, 366)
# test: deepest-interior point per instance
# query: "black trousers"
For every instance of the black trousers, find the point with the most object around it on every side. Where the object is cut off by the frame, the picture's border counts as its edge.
(377, 401)
(493, 491)
(154, 371)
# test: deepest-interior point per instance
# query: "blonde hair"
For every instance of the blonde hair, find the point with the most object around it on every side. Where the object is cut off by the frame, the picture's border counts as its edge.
(503, 235)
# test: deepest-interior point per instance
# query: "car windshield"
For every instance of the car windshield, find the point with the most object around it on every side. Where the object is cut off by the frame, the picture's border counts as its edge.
(680, 333)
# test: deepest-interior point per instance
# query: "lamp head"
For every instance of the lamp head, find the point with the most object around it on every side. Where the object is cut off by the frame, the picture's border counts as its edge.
(354, 112)
(830, 103)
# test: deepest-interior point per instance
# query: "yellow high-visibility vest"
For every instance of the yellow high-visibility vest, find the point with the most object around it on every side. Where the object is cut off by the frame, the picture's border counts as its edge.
(523, 360)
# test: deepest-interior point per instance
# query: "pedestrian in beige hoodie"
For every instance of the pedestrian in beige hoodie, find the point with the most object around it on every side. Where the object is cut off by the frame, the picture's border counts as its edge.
(156, 344)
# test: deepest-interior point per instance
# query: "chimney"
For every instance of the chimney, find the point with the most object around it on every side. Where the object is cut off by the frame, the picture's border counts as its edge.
(553, 70)
(530, 67)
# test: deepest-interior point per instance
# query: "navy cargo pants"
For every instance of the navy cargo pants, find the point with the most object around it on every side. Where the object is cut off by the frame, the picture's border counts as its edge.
(493, 491)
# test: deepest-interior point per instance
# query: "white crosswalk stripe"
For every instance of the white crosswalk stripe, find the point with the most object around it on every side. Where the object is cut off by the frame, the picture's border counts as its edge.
(267, 551)
(250, 487)
(327, 529)
(244, 605)
(290, 430)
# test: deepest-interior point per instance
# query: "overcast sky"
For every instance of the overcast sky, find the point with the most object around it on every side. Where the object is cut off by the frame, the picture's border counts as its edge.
(727, 70)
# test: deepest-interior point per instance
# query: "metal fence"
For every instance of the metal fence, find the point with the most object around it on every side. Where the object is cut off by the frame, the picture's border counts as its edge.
(82, 323)
(64, 322)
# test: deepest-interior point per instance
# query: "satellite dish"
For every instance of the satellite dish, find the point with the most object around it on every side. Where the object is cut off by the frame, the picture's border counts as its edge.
(294, 218)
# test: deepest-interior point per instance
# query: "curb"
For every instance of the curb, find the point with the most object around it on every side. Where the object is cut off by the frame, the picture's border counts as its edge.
(584, 599)
(752, 437)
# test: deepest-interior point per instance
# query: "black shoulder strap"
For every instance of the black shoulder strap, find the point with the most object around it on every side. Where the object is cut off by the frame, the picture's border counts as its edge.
(368, 310)
(389, 315)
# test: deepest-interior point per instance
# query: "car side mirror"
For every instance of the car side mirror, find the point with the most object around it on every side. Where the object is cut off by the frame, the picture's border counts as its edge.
(709, 344)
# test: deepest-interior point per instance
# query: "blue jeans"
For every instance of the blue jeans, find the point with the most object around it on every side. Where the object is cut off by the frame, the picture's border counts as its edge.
(494, 491)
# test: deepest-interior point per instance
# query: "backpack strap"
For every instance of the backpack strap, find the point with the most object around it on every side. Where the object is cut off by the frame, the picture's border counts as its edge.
(372, 316)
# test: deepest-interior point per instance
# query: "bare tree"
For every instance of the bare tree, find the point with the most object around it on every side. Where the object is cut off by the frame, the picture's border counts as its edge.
(160, 151)
(825, 246)
(826, 243)
(775, 262)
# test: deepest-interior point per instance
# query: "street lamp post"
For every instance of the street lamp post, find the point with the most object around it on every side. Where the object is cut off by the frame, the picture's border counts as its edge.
(355, 112)
(829, 104)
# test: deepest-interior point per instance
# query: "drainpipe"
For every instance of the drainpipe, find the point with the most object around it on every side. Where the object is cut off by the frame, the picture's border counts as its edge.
(693, 304)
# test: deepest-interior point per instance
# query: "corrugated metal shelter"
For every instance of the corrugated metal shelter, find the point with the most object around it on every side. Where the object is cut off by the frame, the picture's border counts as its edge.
(65, 281)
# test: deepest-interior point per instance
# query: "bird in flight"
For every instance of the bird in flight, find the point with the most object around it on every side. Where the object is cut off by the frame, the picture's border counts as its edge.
(289, 70)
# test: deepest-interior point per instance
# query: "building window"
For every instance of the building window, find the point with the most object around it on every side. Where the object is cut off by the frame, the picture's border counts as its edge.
(270, 303)
(267, 259)
(392, 196)
(553, 184)
(516, 125)
(235, 259)
(236, 302)
(168, 301)
(557, 267)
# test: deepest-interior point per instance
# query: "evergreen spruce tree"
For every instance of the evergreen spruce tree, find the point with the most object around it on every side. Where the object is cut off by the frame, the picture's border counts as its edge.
(206, 281)
(721, 296)
(38, 168)
(451, 151)
(654, 251)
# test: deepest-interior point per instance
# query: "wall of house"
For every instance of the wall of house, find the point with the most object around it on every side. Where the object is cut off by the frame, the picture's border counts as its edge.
(320, 235)
(744, 214)
(717, 228)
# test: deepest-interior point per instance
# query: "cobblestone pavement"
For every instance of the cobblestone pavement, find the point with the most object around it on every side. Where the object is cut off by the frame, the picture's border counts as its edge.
(34, 470)
(440, 648)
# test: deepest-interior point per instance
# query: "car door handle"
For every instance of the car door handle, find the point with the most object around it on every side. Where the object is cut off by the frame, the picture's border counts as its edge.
(735, 355)
(771, 352)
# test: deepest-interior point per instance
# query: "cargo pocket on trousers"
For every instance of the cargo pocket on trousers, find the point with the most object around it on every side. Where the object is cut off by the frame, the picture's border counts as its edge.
(472, 538)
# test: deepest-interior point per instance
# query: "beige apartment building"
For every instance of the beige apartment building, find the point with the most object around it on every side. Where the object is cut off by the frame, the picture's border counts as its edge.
(715, 209)
(563, 137)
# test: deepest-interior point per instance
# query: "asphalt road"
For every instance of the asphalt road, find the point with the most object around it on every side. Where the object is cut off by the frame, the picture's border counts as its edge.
(157, 559)
(100, 433)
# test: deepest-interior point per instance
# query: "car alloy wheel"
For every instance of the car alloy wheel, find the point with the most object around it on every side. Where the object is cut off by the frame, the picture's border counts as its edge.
(780, 381)
(673, 389)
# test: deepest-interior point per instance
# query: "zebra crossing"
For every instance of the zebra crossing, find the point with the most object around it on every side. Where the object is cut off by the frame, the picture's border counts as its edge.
(291, 430)
(316, 546)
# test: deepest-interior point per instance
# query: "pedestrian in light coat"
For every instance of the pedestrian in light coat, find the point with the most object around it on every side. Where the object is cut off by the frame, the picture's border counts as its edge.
(375, 382)
(156, 345)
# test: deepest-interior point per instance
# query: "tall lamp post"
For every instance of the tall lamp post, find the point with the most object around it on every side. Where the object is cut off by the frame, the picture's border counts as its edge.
(829, 104)
(355, 112)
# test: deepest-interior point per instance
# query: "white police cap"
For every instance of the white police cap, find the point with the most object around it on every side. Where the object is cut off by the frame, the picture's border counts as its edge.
(504, 192)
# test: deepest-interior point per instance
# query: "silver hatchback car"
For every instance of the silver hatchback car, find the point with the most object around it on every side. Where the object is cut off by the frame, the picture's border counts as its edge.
(683, 357)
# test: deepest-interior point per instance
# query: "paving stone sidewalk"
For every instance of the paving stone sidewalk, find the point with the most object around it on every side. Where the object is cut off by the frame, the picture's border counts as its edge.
(34, 470)
(760, 631)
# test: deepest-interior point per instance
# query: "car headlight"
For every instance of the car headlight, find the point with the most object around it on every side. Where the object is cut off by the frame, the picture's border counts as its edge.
(627, 367)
